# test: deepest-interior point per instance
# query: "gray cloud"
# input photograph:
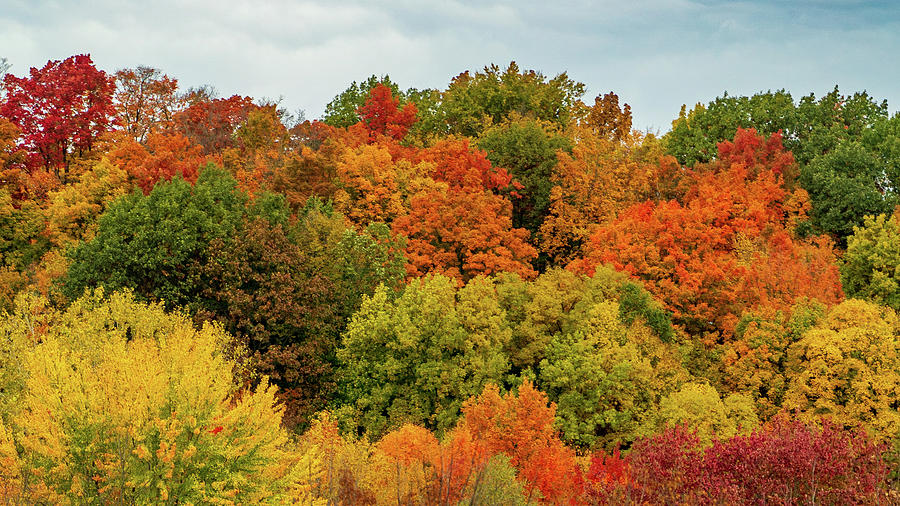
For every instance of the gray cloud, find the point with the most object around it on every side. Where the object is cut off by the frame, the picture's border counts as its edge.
(656, 54)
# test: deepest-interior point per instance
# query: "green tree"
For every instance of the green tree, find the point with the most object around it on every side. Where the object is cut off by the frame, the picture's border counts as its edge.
(150, 244)
(417, 358)
(871, 265)
(844, 186)
(473, 103)
(699, 407)
(527, 149)
(826, 122)
(607, 377)
(558, 301)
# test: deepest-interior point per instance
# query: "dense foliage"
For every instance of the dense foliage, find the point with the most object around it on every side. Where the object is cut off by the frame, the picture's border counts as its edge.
(490, 293)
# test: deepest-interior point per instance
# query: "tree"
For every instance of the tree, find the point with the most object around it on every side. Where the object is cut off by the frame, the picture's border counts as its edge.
(842, 145)
(462, 235)
(382, 115)
(785, 270)
(797, 462)
(846, 368)
(373, 187)
(22, 243)
(869, 267)
(14, 176)
(262, 147)
(304, 174)
(832, 119)
(607, 377)
(600, 178)
(344, 110)
(810, 127)
(788, 462)
(474, 102)
(696, 133)
(284, 287)
(160, 158)
(60, 109)
(559, 302)
(124, 403)
(356, 262)
(287, 288)
(73, 210)
(417, 358)
(520, 426)
(464, 166)
(709, 257)
(21, 236)
(422, 470)
(700, 408)
(146, 100)
(606, 120)
(260, 289)
(527, 149)
(211, 122)
(152, 243)
(755, 362)
(845, 185)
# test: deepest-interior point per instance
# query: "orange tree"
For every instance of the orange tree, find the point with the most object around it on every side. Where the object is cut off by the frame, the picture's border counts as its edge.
(709, 257)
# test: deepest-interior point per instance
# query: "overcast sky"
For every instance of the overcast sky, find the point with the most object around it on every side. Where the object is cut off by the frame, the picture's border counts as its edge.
(655, 54)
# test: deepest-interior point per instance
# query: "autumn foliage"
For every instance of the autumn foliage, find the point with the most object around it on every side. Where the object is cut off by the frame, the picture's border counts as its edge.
(786, 461)
(160, 158)
(490, 293)
(60, 109)
(382, 116)
(711, 255)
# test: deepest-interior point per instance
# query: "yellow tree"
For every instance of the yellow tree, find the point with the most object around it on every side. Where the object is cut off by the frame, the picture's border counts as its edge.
(846, 368)
(372, 187)
(606, 119)
(754, 362)
(122, 403)
(72, 211)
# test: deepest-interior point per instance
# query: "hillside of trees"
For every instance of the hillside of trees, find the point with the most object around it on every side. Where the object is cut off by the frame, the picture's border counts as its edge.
(494, 293)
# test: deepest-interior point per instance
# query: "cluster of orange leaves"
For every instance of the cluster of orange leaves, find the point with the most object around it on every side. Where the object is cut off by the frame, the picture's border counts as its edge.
(420, 467)
(727, 246)
(445, 199)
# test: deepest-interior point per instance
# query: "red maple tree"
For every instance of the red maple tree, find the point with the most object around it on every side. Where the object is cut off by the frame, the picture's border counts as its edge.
(60, 110)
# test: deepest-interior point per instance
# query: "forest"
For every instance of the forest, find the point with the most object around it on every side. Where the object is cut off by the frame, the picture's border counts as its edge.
(499, 292)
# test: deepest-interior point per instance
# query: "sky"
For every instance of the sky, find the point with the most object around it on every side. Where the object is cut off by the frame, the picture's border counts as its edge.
(655, 54)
